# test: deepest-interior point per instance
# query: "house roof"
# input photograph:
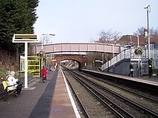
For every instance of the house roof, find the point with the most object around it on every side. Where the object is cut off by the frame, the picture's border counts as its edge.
(133, 40)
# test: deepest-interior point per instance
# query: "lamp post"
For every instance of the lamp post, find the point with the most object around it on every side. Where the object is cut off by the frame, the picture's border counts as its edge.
(45, 38)
(147, 7)
(41, 56)
(42, 47)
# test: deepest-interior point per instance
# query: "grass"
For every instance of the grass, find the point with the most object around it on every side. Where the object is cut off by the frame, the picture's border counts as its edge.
(2, 74)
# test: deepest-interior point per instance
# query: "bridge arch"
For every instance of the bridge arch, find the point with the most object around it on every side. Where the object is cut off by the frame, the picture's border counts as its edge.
(80, 59)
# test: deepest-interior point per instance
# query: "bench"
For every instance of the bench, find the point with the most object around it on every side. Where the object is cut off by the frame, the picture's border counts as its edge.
(4, 91)
(7, 90)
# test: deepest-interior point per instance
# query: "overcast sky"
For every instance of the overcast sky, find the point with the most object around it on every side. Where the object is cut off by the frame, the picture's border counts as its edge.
(82, 20)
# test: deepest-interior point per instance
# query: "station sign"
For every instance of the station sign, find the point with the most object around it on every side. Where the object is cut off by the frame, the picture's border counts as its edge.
(25, 38)
(22, 38)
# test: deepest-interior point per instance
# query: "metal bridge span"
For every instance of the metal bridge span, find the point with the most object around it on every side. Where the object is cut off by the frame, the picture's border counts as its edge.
(78, 47)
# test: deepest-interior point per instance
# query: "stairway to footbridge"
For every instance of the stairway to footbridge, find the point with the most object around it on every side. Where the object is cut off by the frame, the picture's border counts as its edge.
(120, 63)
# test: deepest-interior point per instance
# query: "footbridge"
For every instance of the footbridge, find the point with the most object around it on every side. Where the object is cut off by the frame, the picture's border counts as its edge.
(77, 47)
(64, 50)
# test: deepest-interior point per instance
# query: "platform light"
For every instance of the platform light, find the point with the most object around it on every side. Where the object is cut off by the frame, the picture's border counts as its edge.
(147, 7)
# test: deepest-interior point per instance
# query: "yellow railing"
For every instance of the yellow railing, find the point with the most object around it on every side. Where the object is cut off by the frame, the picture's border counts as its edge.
(33, 65)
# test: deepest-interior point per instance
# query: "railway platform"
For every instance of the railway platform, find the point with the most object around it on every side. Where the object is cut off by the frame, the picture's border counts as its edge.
(62, 103)
(41, 100)
(144, 79)
(51, 99)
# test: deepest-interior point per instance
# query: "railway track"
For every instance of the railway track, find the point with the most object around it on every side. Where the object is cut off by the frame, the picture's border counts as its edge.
(116, 104)
(131, 93)
(89, 106)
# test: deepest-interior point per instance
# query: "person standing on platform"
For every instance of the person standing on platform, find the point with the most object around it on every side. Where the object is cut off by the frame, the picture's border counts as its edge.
(150, 71)
(139, 69)
(44, 74)
(150, 67)
(131, 70)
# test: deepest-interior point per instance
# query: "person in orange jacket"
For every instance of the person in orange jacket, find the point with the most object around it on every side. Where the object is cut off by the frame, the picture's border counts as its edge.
(44, 74)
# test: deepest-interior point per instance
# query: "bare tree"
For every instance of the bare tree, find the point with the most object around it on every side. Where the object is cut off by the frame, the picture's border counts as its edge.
(140, 31)
(153, 31)
(108, 36)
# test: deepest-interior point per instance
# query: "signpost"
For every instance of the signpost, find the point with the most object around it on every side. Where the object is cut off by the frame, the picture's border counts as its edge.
(25, 38)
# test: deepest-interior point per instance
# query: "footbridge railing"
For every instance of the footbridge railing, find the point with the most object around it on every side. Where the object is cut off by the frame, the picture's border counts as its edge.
(125, 54)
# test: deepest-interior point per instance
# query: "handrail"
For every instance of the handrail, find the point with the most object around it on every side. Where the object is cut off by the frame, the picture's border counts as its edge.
(126, 54)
